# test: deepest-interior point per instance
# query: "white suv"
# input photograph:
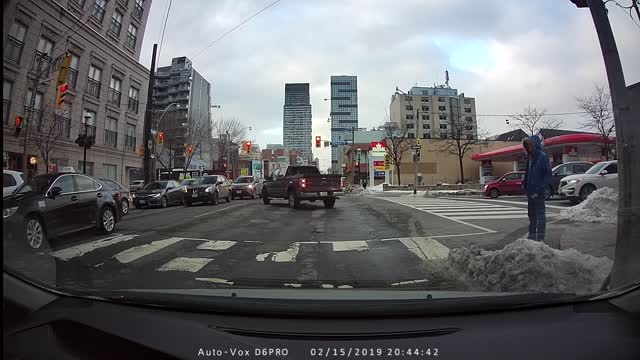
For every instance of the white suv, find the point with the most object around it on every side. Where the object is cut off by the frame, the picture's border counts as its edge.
(10, 181)
(577, 187)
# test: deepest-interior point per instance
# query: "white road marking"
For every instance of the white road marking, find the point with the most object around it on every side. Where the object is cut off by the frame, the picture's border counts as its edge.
(98, 265)
(292, 285)
(216, 280)
(137, 252)
(185, 264)
(445, 211)
(262, 257)
(518, 203)
(217, 245)
(426, 248)
(357, 245)
(506, 212)
(345, 287)
(327, 286)
(409, 282)
(490, 217)
(215, 211)
(79, 250)
(288, 255)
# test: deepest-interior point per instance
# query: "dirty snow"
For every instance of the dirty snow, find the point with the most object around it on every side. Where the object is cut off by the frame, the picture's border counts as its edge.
(528, 266)
(433, 193)
(600, 207)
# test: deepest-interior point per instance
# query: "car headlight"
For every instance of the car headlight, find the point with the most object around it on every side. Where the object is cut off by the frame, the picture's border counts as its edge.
(573, 181)
(250, 186)
(184, 189)
(485, 187)
(133, 195)
(209, 189)
(9, 211)
(156, 195)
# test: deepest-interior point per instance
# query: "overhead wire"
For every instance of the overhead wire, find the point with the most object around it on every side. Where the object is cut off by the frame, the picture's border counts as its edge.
(164, 27)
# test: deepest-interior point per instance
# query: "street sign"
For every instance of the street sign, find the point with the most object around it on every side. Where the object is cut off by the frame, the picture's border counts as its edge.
(416, 147)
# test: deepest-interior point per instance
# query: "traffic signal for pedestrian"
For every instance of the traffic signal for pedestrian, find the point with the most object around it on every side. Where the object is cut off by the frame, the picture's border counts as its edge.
(160, 137)
(318, 141)
(62, 91)
(19, 122)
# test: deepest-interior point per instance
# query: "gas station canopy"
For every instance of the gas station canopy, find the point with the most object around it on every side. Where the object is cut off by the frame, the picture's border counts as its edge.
(516, 152)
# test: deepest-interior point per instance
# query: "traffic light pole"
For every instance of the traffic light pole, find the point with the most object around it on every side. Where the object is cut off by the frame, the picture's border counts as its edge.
(147, 119)
(32, 104)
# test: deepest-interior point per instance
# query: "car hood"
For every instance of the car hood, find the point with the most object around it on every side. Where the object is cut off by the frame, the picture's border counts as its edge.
(198, 187)
(142, 192)
(578, 177)
(241, 185)
(16, 199)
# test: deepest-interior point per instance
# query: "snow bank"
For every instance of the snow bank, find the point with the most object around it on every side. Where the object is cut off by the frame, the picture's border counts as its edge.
(528, 266)
(377, 188)
(600, 207)
(453, 192)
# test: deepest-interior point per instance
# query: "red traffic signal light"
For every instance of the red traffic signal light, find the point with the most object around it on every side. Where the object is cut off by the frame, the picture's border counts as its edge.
(160, 137)
(248, 146)
(19, 122)
(318, 141)
(62, 91)
(190, 150)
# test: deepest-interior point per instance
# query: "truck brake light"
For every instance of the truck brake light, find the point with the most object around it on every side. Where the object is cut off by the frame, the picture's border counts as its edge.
(303, 183)
(341, 182)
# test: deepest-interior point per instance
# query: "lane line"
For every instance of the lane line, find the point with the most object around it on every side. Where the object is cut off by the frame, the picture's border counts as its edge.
(185, 264)
(501, 208)
(426, 248)
(79, 250)
(409, 282)
(216, 280)
(215, 211)
(137, 252)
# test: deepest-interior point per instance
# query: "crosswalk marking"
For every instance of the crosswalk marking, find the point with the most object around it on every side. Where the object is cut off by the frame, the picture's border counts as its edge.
(217, 245)
(350, 246)
(185, 264)
(491, 217)
(79, 250)
(426, 248)
(137, 252)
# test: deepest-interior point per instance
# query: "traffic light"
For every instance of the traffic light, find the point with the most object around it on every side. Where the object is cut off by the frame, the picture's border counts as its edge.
(62, 91)
(247, 146)
(19, 122)
(318, 141)
(190, 150)
(160, 137)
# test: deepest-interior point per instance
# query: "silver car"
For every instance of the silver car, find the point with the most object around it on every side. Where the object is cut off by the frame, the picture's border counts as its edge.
(249, 186)
(136, 185)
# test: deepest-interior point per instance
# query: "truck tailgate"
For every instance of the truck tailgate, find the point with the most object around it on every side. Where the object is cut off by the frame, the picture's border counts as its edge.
(322, 183)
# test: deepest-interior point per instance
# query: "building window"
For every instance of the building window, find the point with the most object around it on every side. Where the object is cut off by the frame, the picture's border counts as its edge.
(7, 88)
(111, 132)
(426, 126)
(468, 127)
(110, 171)
(443, 126)
(98, 10)
(410, 135)
(72, 73)
(425, 108)
(133, 100)
(37, 106)
(15, 42)
(410, 126)
(43, 53)
(408, 98)
(427, 136)
(467, 101)
(442, 108)
(90, 123)
(138, 9)
(116, 23)
(443, 135)
(425, 117)
(409, 117)
(424, 99)
(468, 118)
(131, 35)
(467, 110)
(114, 91)
(408, 107)
(89, 167)
(93, 81)
(65, 119)
(130, 138)
(443, 117)
(441, 99)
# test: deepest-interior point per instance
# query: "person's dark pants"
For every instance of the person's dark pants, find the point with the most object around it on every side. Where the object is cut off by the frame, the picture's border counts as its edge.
(364, 185)
(537, 216)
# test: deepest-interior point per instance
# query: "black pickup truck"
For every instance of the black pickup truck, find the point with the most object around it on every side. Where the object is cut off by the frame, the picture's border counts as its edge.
(297, 183)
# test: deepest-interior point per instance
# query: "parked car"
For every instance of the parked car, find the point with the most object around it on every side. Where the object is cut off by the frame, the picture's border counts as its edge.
(508, 184)
(124, 199)
(210, 188)
(566, 169)
(10, 181)
(136, 185)
(296, 183)
(53, 204)
(186, 182)
(246, 186)
(578, 187)
(158, 193)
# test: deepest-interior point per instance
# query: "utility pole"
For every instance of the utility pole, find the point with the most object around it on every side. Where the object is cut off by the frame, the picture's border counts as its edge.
(147, 119)
(32, 104)
(84, 145)
(626, 265)
(416, 152)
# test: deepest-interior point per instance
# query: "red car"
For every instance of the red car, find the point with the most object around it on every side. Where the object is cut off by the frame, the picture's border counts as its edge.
(508, 184)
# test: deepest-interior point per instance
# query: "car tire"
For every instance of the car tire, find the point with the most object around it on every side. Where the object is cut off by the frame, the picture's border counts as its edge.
(216, 199)
(329, 203)
(107, 220)
(574, 200)
(125, 207)
(585, 191)
(164, 202)
(293, 200)
(548, 193)
(265, 198)
(494, 193)
(35, 234)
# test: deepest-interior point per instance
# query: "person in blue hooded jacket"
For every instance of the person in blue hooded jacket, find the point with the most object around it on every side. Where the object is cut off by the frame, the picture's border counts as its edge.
(537, 179)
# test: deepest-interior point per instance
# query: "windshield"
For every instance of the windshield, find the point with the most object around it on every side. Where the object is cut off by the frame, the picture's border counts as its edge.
(38, 185)
(244, 179)
(595, 169)
(328, 144)
(156, 185)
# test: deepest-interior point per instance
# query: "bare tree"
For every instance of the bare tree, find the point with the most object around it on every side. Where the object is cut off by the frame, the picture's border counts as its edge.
(599, 115)
(398, 142)
(463, 138)
(531, 120)
(198, 135)
(48, 130)
(228, 132)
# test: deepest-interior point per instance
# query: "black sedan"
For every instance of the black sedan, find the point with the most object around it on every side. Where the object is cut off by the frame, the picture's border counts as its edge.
(53, 204)
(124, 197)
(207, 189)
(158, 193)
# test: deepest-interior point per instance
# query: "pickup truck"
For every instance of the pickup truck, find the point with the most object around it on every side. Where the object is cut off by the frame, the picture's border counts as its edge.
(296, 183)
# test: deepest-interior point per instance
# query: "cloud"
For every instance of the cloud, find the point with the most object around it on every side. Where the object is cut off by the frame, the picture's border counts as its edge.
(505, 54)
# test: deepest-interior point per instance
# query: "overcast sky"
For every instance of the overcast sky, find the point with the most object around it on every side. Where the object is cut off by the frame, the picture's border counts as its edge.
(506, 54)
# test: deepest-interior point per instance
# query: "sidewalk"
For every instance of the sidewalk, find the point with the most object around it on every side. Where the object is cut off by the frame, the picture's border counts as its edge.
(589, 238)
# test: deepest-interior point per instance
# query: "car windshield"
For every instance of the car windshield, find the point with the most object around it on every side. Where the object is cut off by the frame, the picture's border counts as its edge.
(38, 185)
(156, 185)
(595, 169)
(331, 144)
(243, 179)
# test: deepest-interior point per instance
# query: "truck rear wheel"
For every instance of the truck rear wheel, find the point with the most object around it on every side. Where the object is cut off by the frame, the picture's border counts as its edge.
(294, 202)
(265, 198)
(329, 203)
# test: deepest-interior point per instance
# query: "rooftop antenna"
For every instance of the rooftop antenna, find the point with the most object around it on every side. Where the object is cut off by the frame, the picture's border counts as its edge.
(446, 75)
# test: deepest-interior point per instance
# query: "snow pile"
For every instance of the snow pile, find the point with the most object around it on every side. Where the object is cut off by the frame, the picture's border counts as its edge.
(600, 207)
(377, 188)
(434, 193)
(528, 266)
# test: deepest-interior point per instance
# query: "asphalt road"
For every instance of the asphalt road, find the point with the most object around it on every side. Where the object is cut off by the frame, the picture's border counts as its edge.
(364, 242)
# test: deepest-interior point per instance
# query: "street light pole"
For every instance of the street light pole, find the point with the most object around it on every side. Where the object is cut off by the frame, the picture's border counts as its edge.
(84, 156)
(415, 156)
